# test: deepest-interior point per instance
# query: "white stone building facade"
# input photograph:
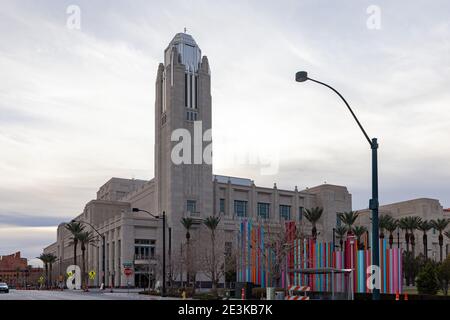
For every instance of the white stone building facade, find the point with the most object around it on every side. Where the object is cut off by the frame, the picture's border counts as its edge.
(183, 99)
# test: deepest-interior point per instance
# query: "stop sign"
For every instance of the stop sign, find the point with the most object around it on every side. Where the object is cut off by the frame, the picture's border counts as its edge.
(128, 271)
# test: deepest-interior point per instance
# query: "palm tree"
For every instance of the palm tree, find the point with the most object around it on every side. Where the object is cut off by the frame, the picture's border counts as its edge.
(187, 224)
(348, 219)
(341, 232)
(403, 224)
(359, 231)
(51, 259)
(44, 257)
(413, 223)
(440, 225)
(211, 223)
(425, 226)
(391, 226)
(383, 222)
(313, 215)
(85, 238)
(74, 228)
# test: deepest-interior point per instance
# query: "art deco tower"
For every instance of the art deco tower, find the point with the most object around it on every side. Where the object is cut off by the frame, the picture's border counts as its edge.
(183, 101)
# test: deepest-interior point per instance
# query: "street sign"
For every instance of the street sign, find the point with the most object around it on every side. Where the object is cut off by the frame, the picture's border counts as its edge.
(128, 272)
(92, 275)
(127, 264)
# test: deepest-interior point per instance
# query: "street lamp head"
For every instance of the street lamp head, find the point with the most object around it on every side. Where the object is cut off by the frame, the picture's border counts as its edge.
(301, 76)
(73, 220)
(136, 210)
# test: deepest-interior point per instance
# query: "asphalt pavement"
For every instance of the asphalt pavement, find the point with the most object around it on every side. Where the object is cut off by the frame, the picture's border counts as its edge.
(94, 294)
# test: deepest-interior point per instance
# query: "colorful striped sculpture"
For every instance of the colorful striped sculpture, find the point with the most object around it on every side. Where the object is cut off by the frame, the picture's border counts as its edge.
(258, 259)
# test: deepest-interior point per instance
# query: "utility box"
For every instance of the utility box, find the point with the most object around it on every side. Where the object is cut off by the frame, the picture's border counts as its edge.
(270, 293)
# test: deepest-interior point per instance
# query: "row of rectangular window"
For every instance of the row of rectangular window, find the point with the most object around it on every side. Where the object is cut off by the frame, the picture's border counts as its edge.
(263, 209)
(241, 209)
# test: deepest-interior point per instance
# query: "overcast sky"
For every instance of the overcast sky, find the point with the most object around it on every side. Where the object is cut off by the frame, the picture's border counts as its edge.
(77, 106)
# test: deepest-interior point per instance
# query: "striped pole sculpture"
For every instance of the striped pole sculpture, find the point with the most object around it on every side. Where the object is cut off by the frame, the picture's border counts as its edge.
(257, 261)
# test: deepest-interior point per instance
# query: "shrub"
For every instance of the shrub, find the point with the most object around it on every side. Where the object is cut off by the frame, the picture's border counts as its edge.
(427, 280)
(206, 296)
(259, 293)
(444, 274)
(151, 292)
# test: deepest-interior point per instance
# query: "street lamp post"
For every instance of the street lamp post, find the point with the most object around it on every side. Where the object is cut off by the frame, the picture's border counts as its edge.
(302, 76)
(163, 218)
(103, 249)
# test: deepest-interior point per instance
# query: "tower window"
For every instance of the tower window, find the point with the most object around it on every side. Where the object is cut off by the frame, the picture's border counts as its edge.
(196, 92)
(162, 98)
(163, 92)
(191, 90)
(191, 116)
(185, 90)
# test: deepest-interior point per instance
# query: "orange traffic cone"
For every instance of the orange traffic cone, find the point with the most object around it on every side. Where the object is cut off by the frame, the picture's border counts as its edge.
(397, 296)
(406, 296)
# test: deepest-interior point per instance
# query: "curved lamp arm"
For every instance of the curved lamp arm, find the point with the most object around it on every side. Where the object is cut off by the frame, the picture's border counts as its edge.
(303, 76)
(140, 210)
(89, 224)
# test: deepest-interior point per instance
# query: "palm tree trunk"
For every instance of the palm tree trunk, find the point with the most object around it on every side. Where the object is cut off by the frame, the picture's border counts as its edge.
(75, 243)
(83, 270)
(213, 240)
(425, 246)
(50, 275)
(391, 240)
(407, 241)
(188, 264)
(46, 275)
(441, 243)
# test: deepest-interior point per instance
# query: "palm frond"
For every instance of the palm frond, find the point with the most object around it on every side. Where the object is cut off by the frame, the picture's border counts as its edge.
(313, 215)
(187, 223)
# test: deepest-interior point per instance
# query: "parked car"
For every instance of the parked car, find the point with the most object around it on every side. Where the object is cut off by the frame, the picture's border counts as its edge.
(4, 287)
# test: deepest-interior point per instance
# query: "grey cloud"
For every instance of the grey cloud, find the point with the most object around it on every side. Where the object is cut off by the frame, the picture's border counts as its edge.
(77, 107)
(30, 220)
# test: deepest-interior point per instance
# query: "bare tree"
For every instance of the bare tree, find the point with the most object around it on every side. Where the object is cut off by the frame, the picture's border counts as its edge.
(211, 255)
(278, 244)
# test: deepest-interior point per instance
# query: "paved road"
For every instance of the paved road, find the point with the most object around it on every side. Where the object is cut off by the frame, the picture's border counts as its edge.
(75, 295)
